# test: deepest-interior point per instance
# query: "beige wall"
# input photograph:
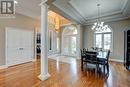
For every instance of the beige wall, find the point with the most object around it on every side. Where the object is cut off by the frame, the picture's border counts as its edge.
(19, 22)
(118, 38)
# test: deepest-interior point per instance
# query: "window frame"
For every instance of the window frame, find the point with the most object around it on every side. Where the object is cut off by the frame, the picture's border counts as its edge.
(64, 35)
(103, 33)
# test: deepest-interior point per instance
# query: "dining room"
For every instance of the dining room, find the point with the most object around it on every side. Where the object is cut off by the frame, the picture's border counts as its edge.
(74, 43)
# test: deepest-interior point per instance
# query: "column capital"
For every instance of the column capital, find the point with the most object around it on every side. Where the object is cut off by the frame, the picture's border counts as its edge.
(43, 2)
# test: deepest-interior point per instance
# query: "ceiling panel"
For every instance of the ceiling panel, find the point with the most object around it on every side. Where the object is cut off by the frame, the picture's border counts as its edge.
(88, 8)
(29, 8)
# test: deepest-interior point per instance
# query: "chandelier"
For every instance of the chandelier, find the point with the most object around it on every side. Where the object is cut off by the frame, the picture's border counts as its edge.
(99, 26)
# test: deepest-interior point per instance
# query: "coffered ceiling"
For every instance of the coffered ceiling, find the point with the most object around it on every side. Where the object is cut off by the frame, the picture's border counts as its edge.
(80, 11)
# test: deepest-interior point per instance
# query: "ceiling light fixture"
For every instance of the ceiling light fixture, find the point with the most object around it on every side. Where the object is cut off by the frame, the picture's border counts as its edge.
(99, 26)
(15, 2)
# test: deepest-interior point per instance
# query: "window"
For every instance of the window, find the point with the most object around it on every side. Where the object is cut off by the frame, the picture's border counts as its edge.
(69, 37)
(58, 44)
(103, 39)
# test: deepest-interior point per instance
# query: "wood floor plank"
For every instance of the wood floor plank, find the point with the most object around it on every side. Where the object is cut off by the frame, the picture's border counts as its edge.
(63, 75)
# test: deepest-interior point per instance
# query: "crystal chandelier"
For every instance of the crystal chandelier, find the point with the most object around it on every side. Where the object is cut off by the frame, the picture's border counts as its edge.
(99, 26)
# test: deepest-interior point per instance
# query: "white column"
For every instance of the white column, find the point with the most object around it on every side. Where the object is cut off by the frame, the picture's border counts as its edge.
(78, 43)
(44, 32)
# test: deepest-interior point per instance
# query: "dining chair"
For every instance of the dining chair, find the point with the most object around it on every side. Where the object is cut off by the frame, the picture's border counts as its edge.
(83, 55)
(104, 62)
(89, 57)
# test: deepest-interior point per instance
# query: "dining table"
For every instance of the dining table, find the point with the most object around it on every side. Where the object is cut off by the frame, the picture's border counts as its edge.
(102, 54)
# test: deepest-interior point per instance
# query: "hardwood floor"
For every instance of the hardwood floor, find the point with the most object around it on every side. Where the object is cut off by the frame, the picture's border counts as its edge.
(63, 75)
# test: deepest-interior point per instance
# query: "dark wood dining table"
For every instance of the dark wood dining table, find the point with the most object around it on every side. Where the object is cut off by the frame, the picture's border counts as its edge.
(100, 54)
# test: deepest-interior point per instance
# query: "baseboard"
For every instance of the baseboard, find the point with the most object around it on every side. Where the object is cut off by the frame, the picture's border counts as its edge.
(33, 60)
(116, 60)
(3, 67)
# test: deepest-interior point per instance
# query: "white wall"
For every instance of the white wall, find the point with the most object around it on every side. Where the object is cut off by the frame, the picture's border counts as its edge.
(118, 28)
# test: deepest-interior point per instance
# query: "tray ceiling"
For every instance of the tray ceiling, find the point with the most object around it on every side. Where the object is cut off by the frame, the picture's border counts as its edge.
(88, 8)
(86, 11)
(80, 11)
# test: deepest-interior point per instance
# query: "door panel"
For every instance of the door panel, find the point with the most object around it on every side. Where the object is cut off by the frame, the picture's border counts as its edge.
(19, 46)
(69, 44)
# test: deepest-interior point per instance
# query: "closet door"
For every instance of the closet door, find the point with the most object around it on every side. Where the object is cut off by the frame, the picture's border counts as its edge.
(19, 46)
(27, 45)
(12, 47)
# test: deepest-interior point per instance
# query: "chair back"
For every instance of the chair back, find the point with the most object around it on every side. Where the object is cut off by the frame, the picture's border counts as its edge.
(83, 52)
(92, 56)
(108, 55)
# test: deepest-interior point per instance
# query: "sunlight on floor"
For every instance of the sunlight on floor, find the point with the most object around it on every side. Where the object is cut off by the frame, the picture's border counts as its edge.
(65, 59)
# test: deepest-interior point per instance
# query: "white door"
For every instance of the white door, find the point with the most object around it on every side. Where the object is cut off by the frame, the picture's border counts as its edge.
(69, 44)
(19, 46)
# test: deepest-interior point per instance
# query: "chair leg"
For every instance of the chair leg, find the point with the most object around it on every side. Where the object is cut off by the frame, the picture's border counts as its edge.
(97, 67)
(82, 64)
(104, 69)
(107, 68)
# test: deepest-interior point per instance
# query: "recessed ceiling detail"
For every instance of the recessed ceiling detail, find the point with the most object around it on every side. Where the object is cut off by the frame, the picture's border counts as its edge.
(88, 8)
(85, 11)
(80, 11)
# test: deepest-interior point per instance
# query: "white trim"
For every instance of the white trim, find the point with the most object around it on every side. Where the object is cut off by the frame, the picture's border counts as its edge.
(64, 36)
(111, 46)
(43, 2)
(44, 77)
(3, 67)
(116, 60)
(114, 16)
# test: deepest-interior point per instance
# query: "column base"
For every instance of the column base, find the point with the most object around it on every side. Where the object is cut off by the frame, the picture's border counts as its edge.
(44, 77)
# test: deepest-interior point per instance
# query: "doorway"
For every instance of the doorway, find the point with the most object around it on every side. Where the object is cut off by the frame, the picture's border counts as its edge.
(69, 41)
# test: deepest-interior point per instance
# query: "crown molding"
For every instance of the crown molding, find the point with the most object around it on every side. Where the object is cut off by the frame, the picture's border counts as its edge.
(126, 10)
(69, 12)
(77, 12)
(65, 12)
(61, 12)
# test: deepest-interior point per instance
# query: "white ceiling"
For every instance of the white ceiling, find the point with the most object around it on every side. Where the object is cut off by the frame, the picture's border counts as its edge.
(88, 8)
(81, 11)
(86, 11)
(29, 8)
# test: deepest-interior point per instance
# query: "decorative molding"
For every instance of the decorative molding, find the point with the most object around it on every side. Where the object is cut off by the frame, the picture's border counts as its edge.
(3, 67)
(44, 77)
(112, 18)
(126, 9)
(105, 15)
(77, 12)
(59, 11)
(43, 2)
(70, 12)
